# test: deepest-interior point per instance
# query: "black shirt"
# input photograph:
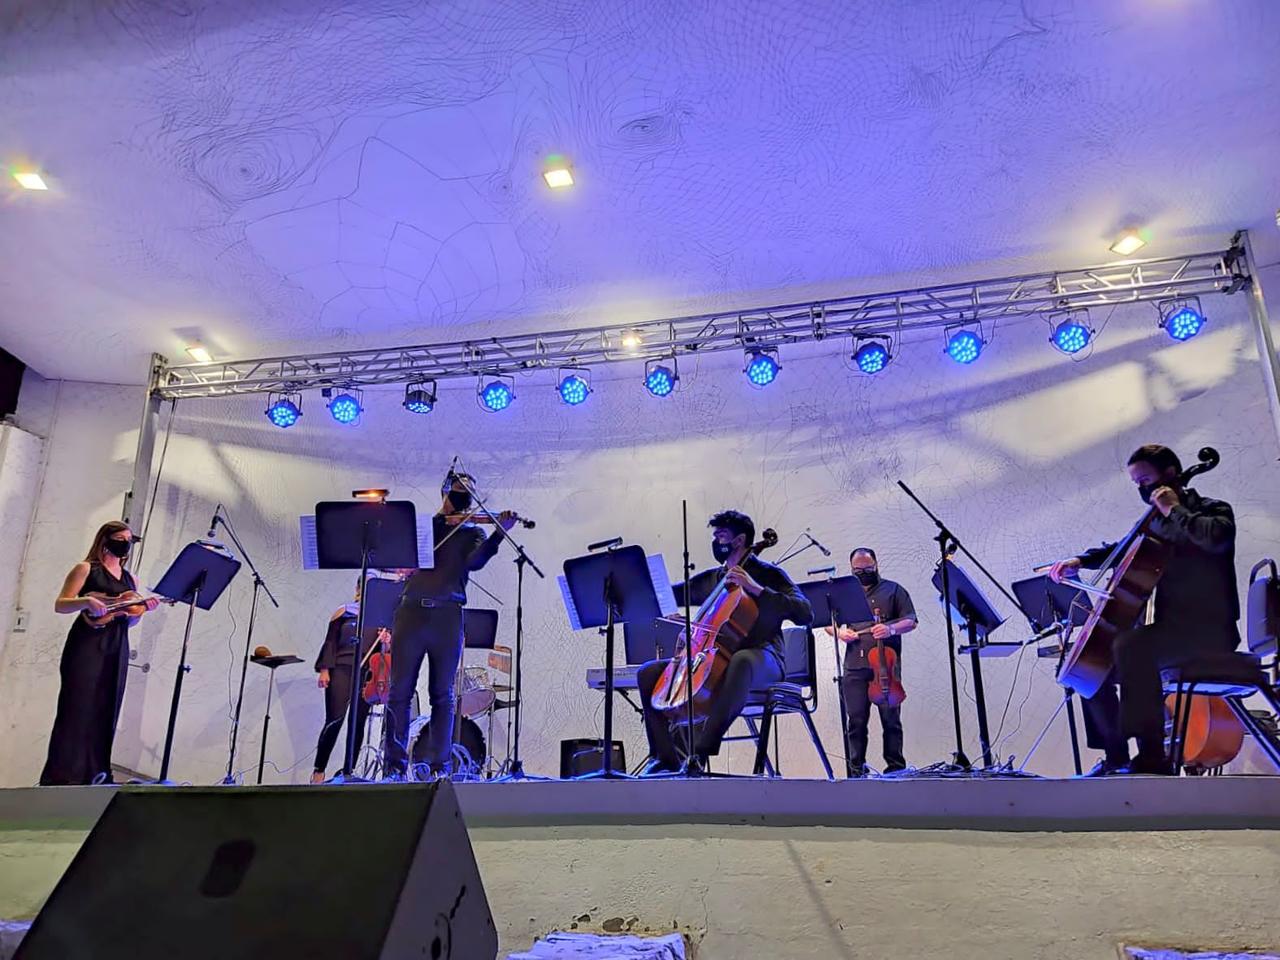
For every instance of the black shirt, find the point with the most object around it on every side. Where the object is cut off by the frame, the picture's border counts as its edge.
(1198, 585)
(779, 600)
(337, 649)
(891, 602)
(466, 550)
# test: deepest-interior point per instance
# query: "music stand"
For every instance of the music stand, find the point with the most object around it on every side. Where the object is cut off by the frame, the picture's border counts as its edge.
(357, 535)
(836, 601)
(197, 578)
(967, 603)
(606, 589)
(643, 641)
(1055, 608)
(272, 663)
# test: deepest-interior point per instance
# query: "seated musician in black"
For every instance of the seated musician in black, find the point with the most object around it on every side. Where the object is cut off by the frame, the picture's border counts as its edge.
(760, 660)
(895, 615)
(1196, 609)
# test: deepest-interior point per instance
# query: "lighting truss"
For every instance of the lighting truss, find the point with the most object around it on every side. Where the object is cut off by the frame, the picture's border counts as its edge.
(884, 314)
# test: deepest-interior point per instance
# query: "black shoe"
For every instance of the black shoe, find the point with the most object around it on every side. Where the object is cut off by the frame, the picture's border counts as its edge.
(660, 768)
(394, 776)
(1107, 768)
(858, 771)
(894, 768)
(1159, 766)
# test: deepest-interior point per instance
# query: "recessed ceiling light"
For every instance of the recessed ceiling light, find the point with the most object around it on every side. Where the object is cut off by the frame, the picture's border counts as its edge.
(1129, 242)
(199, 354)
(30, 179)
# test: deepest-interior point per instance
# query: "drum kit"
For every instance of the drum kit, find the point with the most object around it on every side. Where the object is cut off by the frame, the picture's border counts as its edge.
(475, 699)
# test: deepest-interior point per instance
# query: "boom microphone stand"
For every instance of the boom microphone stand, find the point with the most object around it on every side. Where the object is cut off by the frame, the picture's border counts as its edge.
(258, 585)
(516, 769)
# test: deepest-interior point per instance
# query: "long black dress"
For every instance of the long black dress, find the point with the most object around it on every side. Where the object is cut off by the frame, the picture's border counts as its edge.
(94, 663)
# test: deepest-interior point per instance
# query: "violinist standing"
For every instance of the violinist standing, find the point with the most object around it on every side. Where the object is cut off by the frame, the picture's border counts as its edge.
(895, 615)
(1195, 612)
(94, 663)
(428, 624)
(335, 669)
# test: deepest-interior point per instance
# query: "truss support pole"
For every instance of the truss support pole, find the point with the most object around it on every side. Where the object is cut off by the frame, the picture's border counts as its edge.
(1262, 333)
(135, 499)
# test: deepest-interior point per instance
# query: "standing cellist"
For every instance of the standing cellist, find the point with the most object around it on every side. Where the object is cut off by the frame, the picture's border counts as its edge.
(758, 662)
(1196, 609)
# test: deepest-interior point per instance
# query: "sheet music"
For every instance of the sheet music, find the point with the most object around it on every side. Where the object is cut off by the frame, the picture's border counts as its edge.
(662, 585)
(570, 607)
(311, 552)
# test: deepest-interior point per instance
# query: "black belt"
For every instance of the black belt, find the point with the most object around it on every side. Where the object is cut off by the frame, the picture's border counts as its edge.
(429, 603)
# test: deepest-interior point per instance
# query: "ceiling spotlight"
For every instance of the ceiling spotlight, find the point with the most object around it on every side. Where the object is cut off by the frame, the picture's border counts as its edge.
(573, 387)
(1181, 319)
(199, 354)
(631, 339)
(30, 180)
(659, 379)
(1130, 242)
(762, 366)
(964, 345)
(871, 354)
(1072, 333)
(345, 407)
(420, 397)
(497, 394)
(284, 410)
(557, 172)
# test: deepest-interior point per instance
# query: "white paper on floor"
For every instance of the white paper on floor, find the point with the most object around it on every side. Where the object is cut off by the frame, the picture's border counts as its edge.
(591, 946)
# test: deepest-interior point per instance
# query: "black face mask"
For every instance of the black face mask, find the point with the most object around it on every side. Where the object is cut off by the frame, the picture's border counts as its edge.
(721, 551)
(868, 577)
(118, 548)
(1145, 490)
(460, 499)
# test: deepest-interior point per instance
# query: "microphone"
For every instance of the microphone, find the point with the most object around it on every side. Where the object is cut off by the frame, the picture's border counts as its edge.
(602, 544)
(813, 540)
(822, 570)
(213, 523)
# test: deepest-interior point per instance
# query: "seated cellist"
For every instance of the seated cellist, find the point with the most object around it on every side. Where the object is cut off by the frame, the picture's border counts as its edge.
(759, 661)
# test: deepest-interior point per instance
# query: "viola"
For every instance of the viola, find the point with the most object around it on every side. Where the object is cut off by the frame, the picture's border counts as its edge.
(1214, 732)
(377, 688)
(886, 687)
(1143, 557)
(129, 604)
(715, 634)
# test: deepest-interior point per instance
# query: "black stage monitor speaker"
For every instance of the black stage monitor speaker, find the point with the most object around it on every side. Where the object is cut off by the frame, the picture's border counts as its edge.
(581, 756)
(323, 873)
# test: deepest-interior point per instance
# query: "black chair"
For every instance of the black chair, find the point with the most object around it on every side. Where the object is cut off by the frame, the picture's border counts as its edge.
(1236, 675)
(796, 694)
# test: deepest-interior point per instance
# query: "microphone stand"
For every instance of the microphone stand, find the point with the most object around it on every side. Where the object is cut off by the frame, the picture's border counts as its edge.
(515, 771)
(258, 585)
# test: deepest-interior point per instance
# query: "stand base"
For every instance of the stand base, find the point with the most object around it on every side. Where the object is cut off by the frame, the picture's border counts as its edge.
(515, 772)
(605, 775)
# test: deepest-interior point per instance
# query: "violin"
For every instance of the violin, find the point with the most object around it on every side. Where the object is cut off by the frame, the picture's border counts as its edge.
(886, 687)
(1143, 557)
(377, 688)
(129, 604)
(453, 519)
(717, 632)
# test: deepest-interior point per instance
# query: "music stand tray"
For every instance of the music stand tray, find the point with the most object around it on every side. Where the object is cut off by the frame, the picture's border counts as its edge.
(606, 589)
(357, 535)
(479, 628)
(1045, 603)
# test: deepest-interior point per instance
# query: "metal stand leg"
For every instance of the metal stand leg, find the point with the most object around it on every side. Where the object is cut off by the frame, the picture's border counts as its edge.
(266, 724)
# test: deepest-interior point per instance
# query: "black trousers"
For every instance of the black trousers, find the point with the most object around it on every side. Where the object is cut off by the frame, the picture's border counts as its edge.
(93, 668)
(857, 703)
(1131, 704)
(748, 670)
(337, 698)
(433, 633)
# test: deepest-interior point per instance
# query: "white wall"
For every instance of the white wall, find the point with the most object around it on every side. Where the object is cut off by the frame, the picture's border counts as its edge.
(1023, 453)
(20, 461)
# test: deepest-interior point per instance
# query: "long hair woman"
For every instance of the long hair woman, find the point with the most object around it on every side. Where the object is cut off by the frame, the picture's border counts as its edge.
(94, 662)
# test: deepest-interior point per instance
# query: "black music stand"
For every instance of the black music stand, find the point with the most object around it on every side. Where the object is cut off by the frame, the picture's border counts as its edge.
(643, 641)
(1054, 608)
(968, 604)
(357, 535)
(836, 601)
(272, 663)
(197, 578)
(606, 589)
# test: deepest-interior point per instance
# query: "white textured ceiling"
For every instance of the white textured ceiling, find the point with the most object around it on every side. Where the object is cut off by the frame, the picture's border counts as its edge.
(290, 175)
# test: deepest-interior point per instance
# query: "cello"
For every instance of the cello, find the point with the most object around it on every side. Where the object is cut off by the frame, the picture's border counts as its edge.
(1143, 558)
(717, 631)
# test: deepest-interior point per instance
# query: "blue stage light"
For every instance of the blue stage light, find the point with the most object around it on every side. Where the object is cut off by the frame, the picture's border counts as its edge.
(1184, 323)
(871, 357)
(762, 368)
(964, 346)
(660, 380)
(345, 408)
(496, 395)
(573, 389)
(283, 412)
(1071, 337)
(420, 397)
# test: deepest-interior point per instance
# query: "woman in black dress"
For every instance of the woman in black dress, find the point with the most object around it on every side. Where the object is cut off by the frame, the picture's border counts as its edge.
(94, 662)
